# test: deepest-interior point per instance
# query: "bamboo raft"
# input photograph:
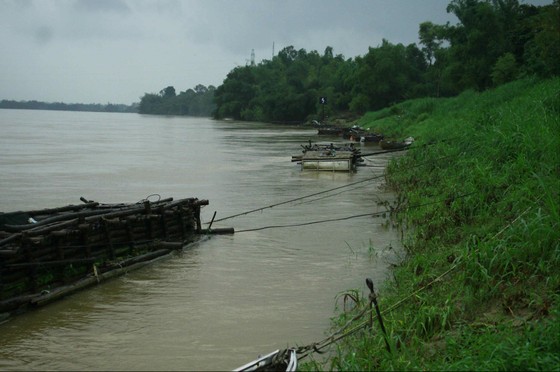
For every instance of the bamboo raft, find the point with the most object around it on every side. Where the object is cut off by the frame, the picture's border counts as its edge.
(47, 254)
(329, 157)
(344, 161)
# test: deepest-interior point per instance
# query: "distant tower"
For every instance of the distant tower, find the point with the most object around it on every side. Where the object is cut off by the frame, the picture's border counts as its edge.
(252, 57)
(273, 50)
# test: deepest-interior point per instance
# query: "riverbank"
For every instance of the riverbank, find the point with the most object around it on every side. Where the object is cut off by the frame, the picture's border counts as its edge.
(479, 191)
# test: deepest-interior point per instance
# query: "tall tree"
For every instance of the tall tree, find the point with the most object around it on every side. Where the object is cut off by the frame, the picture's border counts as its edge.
(542, 51)
(168, 92)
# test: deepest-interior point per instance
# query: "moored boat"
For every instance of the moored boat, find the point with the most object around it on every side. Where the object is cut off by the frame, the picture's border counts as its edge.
(330, 131)
(327, 129)
(396, 145)
(279, 360)
(358, 134)
(371, 137)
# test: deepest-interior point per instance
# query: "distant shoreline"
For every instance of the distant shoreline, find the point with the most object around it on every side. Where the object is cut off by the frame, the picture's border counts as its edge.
(60, 106)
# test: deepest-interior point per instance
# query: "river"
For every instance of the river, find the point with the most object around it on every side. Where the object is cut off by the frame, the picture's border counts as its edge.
(223, 300)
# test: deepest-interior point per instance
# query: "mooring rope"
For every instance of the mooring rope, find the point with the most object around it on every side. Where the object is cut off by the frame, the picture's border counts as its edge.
(312, 222)
(376, 214)
(332, 195)
(296, 199)
(325, 191)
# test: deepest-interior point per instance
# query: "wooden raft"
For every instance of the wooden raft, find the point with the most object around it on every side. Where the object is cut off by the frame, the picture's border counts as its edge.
(46, 254)
(344, 161)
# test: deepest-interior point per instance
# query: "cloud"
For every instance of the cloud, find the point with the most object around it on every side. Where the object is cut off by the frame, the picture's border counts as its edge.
(43, 34)
(112, 6)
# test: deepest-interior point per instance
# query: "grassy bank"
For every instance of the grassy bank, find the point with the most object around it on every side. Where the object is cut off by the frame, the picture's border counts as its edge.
(479, 192)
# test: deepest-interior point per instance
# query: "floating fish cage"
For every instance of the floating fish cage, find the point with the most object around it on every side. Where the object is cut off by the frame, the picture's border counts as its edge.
(329, 157)
(46, 254)
(343, 161)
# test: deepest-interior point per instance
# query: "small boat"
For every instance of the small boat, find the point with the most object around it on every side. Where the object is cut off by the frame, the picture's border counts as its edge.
(360, 135)
(371, 137)
(394, 145)
(330, 131)
(327, 129)
(279, 360)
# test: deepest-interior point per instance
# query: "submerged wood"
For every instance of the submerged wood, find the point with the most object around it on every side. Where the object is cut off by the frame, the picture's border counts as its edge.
(55, 250)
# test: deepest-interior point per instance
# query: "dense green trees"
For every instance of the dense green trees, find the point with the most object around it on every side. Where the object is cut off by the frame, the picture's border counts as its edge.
(389, 74)
(193, 102)
(495, 41)
(286, 88)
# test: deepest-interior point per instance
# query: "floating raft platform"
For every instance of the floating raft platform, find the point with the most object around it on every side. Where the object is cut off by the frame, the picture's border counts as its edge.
(329, 157)
(344, 161)
(47, 254)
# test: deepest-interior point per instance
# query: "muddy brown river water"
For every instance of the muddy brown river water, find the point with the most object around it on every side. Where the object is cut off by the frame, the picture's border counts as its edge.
(223, 300)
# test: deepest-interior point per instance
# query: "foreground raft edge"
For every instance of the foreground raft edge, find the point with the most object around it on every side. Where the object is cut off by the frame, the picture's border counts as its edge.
(50, 253)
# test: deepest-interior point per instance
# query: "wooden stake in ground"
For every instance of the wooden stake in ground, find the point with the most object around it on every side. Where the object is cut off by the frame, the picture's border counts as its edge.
(373, 301)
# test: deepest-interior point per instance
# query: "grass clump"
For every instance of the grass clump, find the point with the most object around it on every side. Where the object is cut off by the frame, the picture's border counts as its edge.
(480, 283)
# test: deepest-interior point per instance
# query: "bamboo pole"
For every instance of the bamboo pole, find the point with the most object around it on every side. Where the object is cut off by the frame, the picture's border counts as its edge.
(373, 301)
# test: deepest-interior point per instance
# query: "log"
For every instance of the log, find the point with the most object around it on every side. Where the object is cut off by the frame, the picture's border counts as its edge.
(60, 292)
(51, 263)
(119, 213)
(218, 231)
(62, 209)
(9, 239)
(40, 230)
(134, 260)
(8, 252)
(172, 245)
(177, 203)
(47, 221)
(15, 302)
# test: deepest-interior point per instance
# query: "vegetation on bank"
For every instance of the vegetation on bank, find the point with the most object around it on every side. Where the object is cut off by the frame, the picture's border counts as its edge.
(479, 205)
(192, 102)
(494, 42)
(60, 106)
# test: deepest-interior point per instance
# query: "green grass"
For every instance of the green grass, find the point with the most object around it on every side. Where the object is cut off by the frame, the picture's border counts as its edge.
(480, 190)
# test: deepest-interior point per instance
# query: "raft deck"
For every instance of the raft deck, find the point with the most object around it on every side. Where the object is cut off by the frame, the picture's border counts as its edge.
(343, 161)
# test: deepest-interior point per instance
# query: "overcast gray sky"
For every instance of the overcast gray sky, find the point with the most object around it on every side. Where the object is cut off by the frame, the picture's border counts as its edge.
(100, 51)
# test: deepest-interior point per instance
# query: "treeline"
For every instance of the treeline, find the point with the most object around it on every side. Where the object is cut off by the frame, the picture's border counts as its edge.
(193, 102)
(94, 107)
(494, 42)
